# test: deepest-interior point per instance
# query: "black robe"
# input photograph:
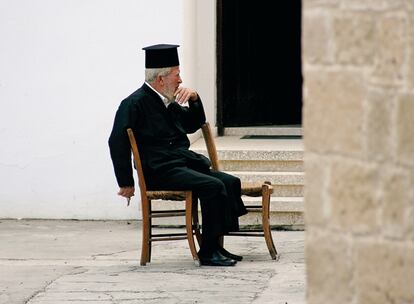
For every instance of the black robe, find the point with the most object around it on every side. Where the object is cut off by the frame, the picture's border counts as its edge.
(160, 132)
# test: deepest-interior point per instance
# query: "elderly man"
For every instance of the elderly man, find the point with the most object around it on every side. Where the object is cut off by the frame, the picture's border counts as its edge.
(160, 121)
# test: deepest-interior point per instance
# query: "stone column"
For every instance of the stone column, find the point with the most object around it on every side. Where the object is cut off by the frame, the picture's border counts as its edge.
(358, 64)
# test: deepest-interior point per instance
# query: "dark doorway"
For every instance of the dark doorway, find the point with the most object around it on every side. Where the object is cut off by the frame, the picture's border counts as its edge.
(259, 77)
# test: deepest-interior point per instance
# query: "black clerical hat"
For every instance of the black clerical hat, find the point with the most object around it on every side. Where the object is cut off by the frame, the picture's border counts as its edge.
(161, 56)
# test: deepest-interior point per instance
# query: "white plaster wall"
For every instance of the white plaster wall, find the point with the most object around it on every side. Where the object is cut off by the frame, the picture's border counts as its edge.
(65, 65)
(198, 63)
(205, 56)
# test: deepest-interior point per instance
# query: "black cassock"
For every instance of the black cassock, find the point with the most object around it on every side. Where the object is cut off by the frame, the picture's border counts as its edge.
(168, 163)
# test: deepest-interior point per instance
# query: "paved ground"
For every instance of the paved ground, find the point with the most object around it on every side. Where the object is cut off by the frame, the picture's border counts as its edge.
(92, 262)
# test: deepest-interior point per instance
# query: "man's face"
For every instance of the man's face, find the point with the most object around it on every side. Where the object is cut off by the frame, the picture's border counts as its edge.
(171, 83)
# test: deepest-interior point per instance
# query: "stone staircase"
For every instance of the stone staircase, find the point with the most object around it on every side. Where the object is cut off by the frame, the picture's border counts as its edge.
(279, 161)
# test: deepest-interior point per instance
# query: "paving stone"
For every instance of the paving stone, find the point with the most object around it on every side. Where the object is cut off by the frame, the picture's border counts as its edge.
(98, 262)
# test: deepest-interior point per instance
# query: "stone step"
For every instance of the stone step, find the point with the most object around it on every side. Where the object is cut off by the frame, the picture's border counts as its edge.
(284, 184)
(278, 220)
(264, 130)
(261, 165)
(285, 212)
(257, 155)
(236, 148)
(279, 161)
(236, 160)
(236, 154)
(278, 204)
(277, 178)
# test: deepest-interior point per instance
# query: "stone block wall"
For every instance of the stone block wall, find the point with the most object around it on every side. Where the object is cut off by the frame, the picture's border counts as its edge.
(358, 67)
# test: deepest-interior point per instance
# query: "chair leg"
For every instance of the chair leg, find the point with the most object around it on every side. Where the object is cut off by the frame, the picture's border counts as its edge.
(146, 231)
(196, 222)
(150, 232)
(265, 221)
(189, 226)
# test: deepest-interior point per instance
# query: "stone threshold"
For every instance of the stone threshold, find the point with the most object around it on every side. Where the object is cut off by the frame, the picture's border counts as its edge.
(264, 130)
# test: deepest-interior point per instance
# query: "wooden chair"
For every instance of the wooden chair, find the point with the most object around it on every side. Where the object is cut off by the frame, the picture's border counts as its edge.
(190, 212)
(249, 189)
(191, 206)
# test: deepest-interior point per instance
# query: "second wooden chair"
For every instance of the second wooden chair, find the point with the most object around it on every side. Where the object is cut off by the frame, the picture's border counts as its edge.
(263, 190)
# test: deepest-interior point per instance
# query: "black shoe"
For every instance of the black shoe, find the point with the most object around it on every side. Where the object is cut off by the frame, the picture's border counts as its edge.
(217, 259)
(229, 254)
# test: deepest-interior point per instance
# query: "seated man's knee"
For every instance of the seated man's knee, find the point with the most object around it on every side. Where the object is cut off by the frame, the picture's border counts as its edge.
(231, 180)
(212, 188)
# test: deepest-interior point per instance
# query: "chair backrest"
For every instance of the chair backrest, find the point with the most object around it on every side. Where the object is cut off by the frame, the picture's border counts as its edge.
(138, 164)
(211, 146)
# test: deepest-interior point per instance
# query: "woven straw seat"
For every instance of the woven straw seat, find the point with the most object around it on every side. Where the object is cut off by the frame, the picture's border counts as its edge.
(252, 189)
(166, 195)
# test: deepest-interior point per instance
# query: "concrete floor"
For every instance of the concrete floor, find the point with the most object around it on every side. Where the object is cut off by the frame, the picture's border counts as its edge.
(92, 262)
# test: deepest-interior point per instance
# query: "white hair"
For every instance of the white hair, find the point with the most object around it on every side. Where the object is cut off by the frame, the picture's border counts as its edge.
(151, 74)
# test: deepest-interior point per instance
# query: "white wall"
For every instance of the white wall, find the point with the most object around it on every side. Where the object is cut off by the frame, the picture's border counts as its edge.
(205, 56)
(198, 63)
(65, 65)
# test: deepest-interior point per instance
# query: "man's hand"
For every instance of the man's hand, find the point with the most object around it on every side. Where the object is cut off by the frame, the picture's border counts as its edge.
(126, 191)
(182, 95)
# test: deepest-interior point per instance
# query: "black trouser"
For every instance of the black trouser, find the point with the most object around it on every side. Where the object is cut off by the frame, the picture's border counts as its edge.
(219, 195)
